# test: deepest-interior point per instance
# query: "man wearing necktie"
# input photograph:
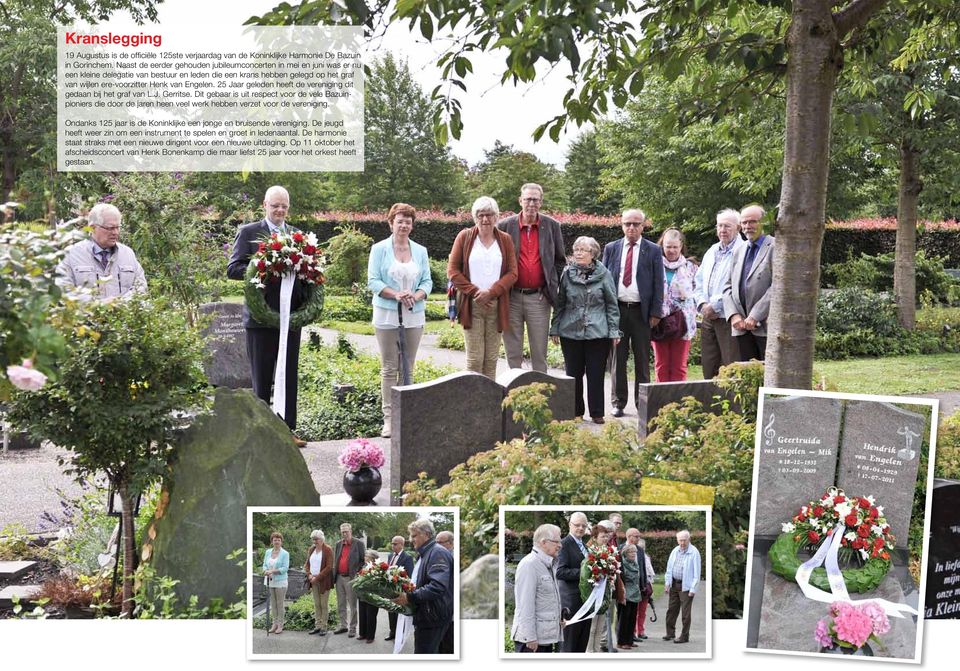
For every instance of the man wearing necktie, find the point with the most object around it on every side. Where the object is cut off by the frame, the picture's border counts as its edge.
(571, 556)
(746, 293)
(398, 557)
(263, 342)
(637, 268)
(103, 265)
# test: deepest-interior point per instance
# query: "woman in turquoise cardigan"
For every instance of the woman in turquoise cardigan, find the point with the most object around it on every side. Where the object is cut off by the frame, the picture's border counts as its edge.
(398, 274)
(276, 561)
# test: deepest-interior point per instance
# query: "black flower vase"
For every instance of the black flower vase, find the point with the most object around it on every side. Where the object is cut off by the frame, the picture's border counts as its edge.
(362, 485)
(865, 651)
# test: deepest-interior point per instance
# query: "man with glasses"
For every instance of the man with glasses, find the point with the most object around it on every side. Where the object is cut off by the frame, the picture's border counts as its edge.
(540, 260)
(537, 622)
(103, 266)
(717, 345)
(637, 268)
(746, 293)
(573, 551)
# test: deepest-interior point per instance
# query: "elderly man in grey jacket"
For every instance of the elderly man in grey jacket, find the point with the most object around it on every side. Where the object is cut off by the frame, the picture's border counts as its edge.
(101, 268)
(537, 624)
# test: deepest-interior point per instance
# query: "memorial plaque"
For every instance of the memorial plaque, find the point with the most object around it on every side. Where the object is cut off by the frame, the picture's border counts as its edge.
(798, 457)
(228, 365)
(880, 456)
(943, 565)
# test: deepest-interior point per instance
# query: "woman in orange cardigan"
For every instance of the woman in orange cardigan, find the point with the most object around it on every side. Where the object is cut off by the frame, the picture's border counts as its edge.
(483, 267)
(319, 570)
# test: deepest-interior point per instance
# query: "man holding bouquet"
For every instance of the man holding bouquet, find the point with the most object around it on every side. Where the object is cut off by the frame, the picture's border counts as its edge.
(263, 341)
(397, 557)
(432, 598)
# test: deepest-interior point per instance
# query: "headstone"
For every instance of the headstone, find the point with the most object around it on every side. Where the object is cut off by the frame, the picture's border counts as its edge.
(295, 588)
(11, 570)
(228, 365)
(562, 401)
(240, 455)
(440, 424)
(652, 397)
(943, 565)
(480, 589)
(788, 619)
(24, 594)
(880, 456)
(798, 456)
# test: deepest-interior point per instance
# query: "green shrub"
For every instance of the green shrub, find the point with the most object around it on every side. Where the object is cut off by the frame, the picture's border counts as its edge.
(934, 284)
(853, 308)
(347, 308)
(320, 416)
(557, 461)
(438, 273)
(347, 255)
(299, 614)
(948, 449)
(452, 338)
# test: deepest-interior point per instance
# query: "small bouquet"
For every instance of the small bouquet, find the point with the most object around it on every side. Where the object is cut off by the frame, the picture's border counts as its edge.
(360, 453)
(285, 252)
(849, 627)
(377, 583)
(601, 562)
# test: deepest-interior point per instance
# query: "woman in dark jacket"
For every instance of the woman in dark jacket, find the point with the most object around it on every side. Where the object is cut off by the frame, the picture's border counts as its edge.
(368, 612)
(586, 320)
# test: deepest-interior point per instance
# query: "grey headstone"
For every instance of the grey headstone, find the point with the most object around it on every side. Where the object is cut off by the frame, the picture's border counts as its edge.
(943, 565)
(295, 588)
(798, 456)
(440, 424)
(240, 455)
(562, 402)
(479, 589)
(788, 619)
(11, 570)
(652, 397)
(25, 594)
(880, 455)
(228, 365)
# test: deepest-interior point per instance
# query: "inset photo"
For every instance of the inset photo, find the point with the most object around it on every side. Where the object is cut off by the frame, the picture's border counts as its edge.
(339, 583)
(839, 530)
(605, 580)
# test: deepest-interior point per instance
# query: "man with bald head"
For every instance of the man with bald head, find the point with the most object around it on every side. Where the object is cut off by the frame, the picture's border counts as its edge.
(263, 341)
(637, 268)
(746, 293)
(573, 551)
(716, 343)
(398, 557)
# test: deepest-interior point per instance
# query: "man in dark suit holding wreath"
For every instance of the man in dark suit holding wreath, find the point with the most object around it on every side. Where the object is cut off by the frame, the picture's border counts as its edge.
(263, 342)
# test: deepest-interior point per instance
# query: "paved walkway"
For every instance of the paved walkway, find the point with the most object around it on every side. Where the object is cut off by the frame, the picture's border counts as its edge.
(302, 643)
(656, 630)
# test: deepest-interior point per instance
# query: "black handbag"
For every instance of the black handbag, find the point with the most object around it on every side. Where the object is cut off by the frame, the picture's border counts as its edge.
(671, 327)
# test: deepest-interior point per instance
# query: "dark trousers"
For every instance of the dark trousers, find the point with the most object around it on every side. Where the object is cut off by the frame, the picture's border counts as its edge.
(681, 603)
(522, 647)
(717, 347)
(367, 626)
(576, 637)
(626, 622)
(636, 338)
(426, 640)
(392, 618)
(446, 644)
(590, 357)
(751, 346)
(262, 347)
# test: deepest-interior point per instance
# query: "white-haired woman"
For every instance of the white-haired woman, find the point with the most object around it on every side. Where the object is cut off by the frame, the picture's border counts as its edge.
(319, 570)
(586, 320)
(483, 268)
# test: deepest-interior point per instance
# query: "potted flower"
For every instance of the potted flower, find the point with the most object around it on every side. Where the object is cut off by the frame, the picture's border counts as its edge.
(849, 628)
(362, 460)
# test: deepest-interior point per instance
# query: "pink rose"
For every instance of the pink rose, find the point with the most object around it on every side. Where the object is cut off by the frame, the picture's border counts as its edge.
(25, 377)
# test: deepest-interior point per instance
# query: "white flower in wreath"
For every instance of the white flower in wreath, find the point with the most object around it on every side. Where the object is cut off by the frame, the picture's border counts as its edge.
(879, 511)
(871, 499)
(843, 509)
(864, 554)
(788, 527)
(850, 536)
(876, 531)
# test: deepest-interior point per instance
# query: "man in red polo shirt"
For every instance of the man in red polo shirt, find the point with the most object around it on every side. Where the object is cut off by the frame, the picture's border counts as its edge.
(347, 560)
(540, 260)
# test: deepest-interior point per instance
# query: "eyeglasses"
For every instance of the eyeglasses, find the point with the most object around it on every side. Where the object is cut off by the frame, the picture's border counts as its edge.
(530, 200)
(109, 229)
(581, 250)
(749, 221)
(550, 540)
(633, 223)
(486, 215)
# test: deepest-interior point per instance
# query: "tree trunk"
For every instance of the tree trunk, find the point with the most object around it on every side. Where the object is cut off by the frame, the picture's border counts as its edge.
(905, 259)
(129, 550)
(813, 66)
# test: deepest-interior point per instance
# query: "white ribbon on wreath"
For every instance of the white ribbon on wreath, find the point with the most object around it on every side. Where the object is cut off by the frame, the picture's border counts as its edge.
(404, 625)
(827, 556)
(280, 374)
(591, 605)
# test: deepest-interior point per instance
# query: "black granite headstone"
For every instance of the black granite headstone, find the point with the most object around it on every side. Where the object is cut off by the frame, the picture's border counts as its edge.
(562, 403)
(228, 365)
(943, 564)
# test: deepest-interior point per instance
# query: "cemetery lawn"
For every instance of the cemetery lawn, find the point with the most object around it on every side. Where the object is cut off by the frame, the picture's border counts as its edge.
(896, 375)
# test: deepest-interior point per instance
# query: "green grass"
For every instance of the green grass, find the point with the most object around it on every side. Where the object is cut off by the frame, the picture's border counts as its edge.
(366, 328)
(896, 375)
